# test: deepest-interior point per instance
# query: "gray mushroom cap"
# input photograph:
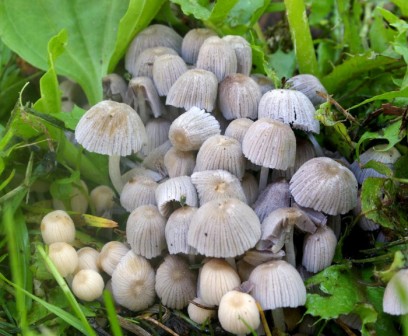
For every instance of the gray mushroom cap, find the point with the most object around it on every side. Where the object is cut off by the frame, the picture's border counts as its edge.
(396, 292)
(309, 85)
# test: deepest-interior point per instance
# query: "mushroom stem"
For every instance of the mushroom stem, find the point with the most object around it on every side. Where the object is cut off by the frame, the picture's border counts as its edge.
(318, 149)
(263, 178)
(114, 172)
(278, 319)
(290, 256)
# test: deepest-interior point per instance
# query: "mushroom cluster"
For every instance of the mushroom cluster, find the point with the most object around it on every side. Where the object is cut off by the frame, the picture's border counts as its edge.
(228, 175)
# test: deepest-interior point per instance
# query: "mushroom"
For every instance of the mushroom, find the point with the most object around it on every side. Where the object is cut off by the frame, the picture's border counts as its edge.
(243, 52)
(324, 185)
(114, 88)
(143, 66)
(179, 163)
(277, 284)
(110, 255)
(309, 85)
(199, 312)
(395, 295)
(57, 226)
(75, 198)
(192, 43)
(250, 187)
(88, 259)
(166, 70)
(138, 191)
(87, 285)
(133, 282)
(238, 313)
(114, 129)
(64, 258)
(101, 200)
(157, 134)
(175, 283)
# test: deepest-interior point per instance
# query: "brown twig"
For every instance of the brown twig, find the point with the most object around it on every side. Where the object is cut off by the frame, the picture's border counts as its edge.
(159, 324)
(338, 107)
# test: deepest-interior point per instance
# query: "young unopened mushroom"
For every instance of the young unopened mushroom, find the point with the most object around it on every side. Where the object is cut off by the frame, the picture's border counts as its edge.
(110, 255)
(192, 43)
(145, 231)
(166, 70)
(195, 87)
(192, 128)
(64, 257)
(396, 293)
(133, 282)
(224, 228)
(237, 128)
(114, 129)
(87, 285)
(308, 85)
(179, 163)
(157, 130)
(238, 313)
(153, 36)
(155, 159)
(216, 278)
(138, 191)
(250, 187)
(75, 198)
(88, 259)
(200, 314)
(325, 185)
(243, 52)
(114, 88)
(277, 284)
(102, 200)
(143, 66)
(57, 226)
(221, 152)
(175, 283)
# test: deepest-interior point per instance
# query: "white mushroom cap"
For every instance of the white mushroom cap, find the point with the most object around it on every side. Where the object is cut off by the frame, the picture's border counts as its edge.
(238, 312)
(138, 191)
(111, 128)
(200, 315)
(308, 85)
(192, 43)
(145, 231)
(143, 67)
(216, 278)
(243, 52)
(224, 228)
(110, 255)
(133, 282)
(319, 249)
(88, 259)
(291, 107)
(101, 198)
(237, 128)
(396, 293)
(157, 130)
(76, 198)
(192, 128)
(166, 70)
(179, 163)
(87, 285)
(57, 226)
(277, 284)
(175, 283)
(325, 185)
(64, 257)
(270, 143)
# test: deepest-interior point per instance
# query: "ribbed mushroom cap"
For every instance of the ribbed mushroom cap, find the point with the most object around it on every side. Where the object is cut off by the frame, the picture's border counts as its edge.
(87, 285)
(224, 228)
(114, 87)
(110, 255)
(153, 36)
(277, 284)
(179, 163)
(318, 249)
(138, 191)
(250, 186)
(237, 128)
(200, 315)
(276, 195)
(378, 153)
(176, 230)
(145, 231)
(64, 258)
(192, 128)
(133, 282)
(192, 43)
(101, 198)
(88, 259)
(270, 143)
(157, 134)
(139, 171)
(216, 278)
(175, 283)
(143, 88)
(291, 107)
(238, 97)
(195, 87)
(175, 192)
(57, 226)
(308, 85)
(396, 293)
(155, 159)
(111, 128)
(325, 185)
(216, 55)
(217, 185)
(279, 223)
(166, 70)
(243, 52)
(221, 152)
(238, 313)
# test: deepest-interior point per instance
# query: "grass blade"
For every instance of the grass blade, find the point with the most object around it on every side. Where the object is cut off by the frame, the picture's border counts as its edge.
(112, 317)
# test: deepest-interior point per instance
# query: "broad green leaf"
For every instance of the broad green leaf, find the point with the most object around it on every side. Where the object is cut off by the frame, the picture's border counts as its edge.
(284, 64)
(319, 11)
(26, 27)
(368, 315)
(385, 96)
(327, 55)
(392, 133)
(199, 9)
(401, 167)
(71, 119)
(350, 13)
(62, 189)
(380, 167)
(380, 34)
(403, 5)
(50, 101)
(137, 17)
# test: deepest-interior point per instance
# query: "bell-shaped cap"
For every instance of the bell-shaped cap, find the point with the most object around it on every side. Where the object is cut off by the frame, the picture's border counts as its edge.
(111, 128)
(114, 88)
(195, 87)
(396, 292)
(270, 143)
(308, 85)
(237, 128)
(157, 134)
(143, 66)
(179, 163)
(277, 284)
(291, 107)
(166, 70)
(224, 228)
(324, 185)
(138, 191)
(192, 43)
(243, 52)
